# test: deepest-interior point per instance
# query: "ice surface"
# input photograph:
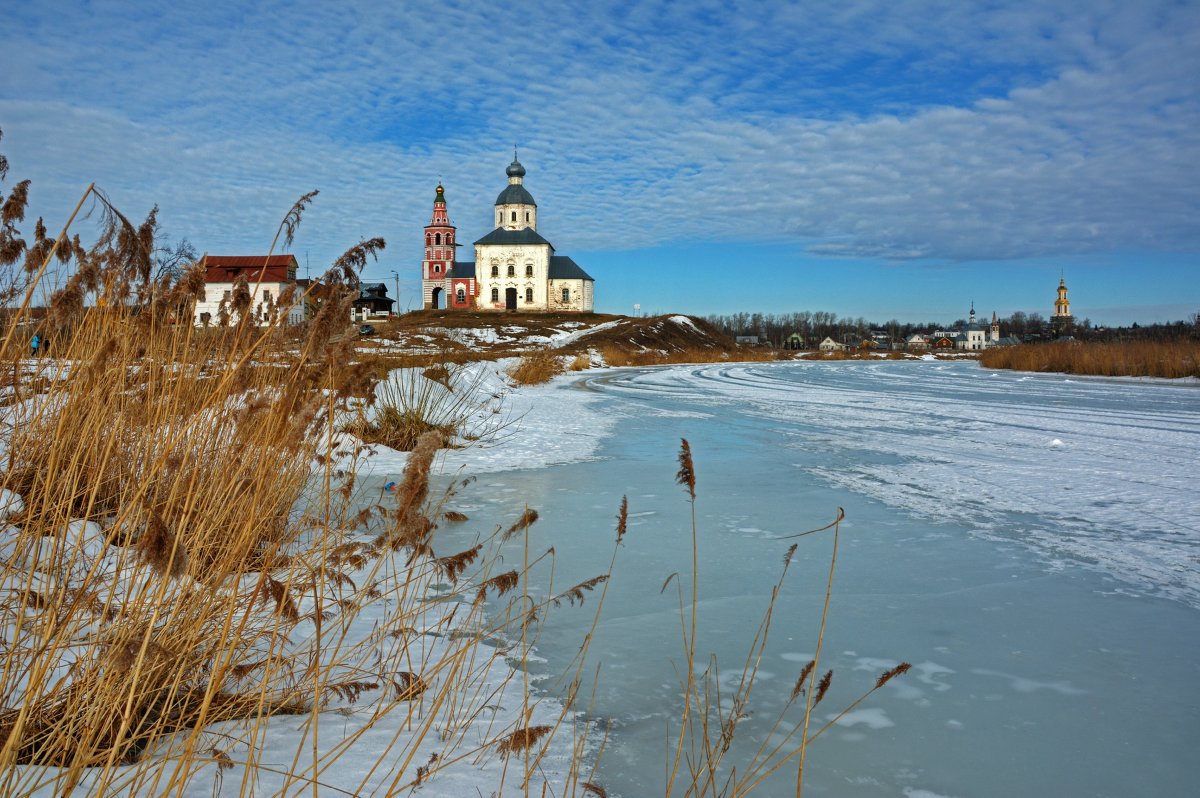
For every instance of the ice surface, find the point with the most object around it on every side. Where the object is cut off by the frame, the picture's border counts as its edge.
(1038, 587)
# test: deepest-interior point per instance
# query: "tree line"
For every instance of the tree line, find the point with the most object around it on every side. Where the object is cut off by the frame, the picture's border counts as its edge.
(815, 326)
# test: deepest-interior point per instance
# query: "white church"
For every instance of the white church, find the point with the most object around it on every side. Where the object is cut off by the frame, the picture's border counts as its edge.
(514, 267)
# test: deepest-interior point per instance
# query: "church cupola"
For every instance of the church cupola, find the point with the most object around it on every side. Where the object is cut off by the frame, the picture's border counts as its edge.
(439, 241)
(515, 208)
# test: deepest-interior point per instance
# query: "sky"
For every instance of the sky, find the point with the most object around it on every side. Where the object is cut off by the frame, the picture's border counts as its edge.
(896, 159)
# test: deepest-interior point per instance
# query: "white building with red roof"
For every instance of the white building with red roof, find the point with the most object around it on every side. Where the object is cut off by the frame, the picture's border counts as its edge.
(267, 278)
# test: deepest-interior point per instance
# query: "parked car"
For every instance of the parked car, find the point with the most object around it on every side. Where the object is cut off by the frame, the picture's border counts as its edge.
(366, 329)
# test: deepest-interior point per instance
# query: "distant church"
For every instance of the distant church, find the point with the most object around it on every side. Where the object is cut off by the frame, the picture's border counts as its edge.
(514, 267)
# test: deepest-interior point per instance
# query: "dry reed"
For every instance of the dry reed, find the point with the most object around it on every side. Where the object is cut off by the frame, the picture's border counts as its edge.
(1169, 359)
(537, 367)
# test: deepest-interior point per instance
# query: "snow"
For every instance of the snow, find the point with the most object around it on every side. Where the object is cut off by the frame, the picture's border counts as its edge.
(537, 425)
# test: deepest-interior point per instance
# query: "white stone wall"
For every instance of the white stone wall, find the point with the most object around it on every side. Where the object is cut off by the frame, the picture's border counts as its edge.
(519, 256)
(580, 296)
(526, 216)
(214, 293)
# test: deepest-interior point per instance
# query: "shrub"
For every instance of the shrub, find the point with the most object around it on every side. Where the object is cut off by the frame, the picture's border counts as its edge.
(537, 367)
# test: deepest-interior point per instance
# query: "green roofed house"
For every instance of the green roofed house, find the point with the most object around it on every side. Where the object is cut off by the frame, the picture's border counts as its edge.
(514, 267)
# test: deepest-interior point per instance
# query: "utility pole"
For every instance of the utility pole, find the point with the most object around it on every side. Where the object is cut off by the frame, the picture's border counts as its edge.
(396, 274)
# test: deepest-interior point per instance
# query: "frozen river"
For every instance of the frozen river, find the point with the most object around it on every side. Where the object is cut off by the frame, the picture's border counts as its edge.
(1031, 543)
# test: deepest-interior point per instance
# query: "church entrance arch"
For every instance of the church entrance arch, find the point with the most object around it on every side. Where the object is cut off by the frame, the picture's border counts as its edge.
(510, 299)
(435, 300)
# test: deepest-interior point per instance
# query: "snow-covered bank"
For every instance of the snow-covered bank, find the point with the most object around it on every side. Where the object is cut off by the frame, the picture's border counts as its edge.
(527, 427)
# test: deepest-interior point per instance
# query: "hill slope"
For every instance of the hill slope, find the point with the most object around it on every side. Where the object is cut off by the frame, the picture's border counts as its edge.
(618, 340)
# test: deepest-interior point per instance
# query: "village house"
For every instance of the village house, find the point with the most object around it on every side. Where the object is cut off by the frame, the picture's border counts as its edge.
(372, 303)
(267, 279)
(514, 267)
(830, 345)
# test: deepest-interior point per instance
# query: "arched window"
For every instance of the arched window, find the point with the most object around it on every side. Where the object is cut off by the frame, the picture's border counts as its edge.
(528, 294)
(461, 296)
(566, 295)
(428, 241)
(437, 238)
(529, 271)
(512, 271)
(514, 216)
(495, 271)
(495, 294)
(437, 268)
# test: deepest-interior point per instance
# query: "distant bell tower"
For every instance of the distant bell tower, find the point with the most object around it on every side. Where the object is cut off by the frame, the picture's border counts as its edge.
(995, 327)
(1062, 321)
(438, 265)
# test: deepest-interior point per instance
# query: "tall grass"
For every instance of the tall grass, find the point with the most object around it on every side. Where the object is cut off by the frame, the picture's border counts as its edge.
(187, 556)
(1170, 359)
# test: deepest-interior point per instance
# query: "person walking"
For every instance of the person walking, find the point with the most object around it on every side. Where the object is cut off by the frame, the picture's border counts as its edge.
(34, 343)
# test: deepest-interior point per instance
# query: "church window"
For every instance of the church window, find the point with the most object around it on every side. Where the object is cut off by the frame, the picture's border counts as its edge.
(526, 216)
(514, 216)
(495, 294)
(499, 217)
(566, 295)
(528, 294)
(512, 271)
(460, 296)
(437, 238)
(428, 241)
(495, 271)
(437, 268)
(528, 271)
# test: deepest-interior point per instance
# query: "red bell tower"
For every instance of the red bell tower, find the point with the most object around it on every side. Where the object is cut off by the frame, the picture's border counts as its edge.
(439, 241)
(441, 285)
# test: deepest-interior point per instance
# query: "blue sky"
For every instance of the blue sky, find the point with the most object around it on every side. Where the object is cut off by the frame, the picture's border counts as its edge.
(881, 159)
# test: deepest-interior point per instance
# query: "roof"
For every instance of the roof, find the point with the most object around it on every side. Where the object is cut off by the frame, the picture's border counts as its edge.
(463, 268)
(515, 194)
(373, 301)
(563, 268)
(255, 268)
(525, 236)
(246, 261)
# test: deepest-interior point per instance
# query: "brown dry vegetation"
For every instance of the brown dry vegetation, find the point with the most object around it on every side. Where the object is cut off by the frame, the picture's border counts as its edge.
(178, 534)
(1170, 359)
(537, 367)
